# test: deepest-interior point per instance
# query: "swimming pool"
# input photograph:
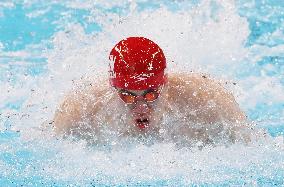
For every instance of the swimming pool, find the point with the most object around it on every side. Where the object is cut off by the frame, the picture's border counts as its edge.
(47, 47)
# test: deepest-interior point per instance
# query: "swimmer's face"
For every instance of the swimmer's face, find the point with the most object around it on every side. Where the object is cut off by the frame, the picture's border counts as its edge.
(144, 105)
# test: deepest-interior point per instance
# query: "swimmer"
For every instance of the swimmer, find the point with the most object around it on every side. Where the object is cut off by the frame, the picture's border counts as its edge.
(141, 99)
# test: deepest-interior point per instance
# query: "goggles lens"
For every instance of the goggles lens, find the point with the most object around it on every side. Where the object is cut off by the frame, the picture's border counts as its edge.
(127, 98)
(151, 96)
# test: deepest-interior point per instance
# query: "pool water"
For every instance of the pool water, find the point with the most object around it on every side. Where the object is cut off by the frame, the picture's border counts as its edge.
(47, 48)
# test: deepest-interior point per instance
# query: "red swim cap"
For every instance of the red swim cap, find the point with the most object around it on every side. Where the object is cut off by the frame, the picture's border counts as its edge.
(137, 63)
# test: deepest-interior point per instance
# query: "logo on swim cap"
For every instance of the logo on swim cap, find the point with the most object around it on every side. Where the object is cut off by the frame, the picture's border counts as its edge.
(137, 64)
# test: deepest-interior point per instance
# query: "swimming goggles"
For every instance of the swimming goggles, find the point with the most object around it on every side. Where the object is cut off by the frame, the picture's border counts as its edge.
(148, 96)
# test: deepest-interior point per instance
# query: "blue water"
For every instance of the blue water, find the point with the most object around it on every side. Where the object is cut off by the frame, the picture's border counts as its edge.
(37, 37)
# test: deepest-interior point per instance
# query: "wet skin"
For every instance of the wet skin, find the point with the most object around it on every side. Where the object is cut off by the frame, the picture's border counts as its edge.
(191, 99)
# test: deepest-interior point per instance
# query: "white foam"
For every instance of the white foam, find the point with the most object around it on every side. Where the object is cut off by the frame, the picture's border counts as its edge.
(76, 162)
(6, 4)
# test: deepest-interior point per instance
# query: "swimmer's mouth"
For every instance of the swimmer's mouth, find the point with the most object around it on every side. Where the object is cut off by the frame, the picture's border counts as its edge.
(142, 123)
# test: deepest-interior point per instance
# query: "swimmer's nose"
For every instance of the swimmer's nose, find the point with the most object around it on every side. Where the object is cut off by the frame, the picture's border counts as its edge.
(141, 107)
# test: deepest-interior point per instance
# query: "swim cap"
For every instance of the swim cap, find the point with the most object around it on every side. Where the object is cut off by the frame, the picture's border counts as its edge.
(137, 63)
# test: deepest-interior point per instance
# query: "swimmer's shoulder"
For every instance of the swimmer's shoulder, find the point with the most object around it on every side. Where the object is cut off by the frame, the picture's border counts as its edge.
(192, 85)
(192, 80)
(84, 94)
(199, 90)
(197, 85)
(82, 101)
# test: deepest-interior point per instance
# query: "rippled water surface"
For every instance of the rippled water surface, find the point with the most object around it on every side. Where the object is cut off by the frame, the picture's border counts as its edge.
(46, 48)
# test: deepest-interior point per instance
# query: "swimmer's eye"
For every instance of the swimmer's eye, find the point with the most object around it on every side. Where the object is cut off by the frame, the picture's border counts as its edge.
(151, 96)
(127, 97)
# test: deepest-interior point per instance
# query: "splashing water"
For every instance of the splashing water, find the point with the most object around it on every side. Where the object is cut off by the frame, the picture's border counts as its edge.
(47, 49)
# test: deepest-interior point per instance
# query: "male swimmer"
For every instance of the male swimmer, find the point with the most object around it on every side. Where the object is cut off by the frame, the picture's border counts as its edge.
(143, 101)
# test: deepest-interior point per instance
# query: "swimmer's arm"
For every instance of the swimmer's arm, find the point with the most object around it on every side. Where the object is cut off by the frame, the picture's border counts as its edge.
(230, 111)
(206, 101)
(228, 107)
(78, 107)
(219, 101)
(206, 96)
